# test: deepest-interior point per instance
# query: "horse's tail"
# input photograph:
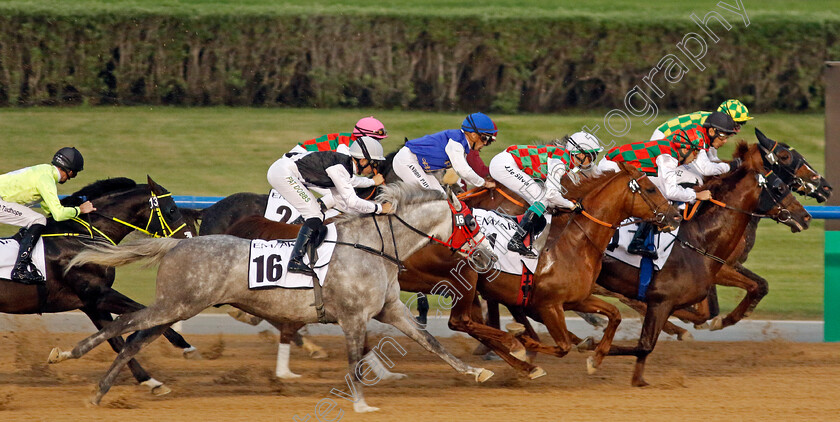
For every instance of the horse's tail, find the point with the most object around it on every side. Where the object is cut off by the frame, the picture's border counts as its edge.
(115, 256)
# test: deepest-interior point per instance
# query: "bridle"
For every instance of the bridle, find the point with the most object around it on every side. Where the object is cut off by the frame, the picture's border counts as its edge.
(163, 228)
(788, 171)
(464, 232)
(773, 191)
(635, 188)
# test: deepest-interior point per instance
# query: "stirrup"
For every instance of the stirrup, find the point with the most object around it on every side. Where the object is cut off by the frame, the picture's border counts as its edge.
(298, 267)
(517, 246)
(642, 252)
(28, 275)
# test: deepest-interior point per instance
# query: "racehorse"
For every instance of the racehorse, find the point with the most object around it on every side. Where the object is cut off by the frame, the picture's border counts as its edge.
(706, 242)
(122, 207)
(208, 270)
(430, 270)
(796, 172)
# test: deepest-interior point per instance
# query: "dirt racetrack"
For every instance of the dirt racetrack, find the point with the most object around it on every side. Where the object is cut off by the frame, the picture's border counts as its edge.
(773, 380)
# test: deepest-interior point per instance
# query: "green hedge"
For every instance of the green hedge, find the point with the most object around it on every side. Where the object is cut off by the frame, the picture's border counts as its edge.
(385, 61)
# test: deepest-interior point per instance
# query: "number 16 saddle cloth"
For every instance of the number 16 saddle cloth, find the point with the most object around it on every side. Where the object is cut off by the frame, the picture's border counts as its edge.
(269, 260)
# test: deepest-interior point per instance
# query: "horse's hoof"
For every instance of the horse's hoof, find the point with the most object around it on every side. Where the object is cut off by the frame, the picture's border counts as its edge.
(685, 336)
(161, 390)
(392, 376)
(515, 328)
(716, 323)
(639, 383)
(362, 407)
(585, 345)
(703, 326)
(287, 375)
(520, 354)
(191, 353)
(590, 366)
(56, 356)
(315, 351)
(318, 354)
(483, 375)
(536, 373)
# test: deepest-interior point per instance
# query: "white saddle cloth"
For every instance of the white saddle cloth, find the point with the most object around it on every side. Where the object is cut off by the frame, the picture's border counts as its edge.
(279, 209)
(8, 255)
(499, 230)
(664, 245)
(270, 258)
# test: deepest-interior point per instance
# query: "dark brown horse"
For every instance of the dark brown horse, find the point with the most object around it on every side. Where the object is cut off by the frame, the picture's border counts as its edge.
(88, 288)
(718, 231)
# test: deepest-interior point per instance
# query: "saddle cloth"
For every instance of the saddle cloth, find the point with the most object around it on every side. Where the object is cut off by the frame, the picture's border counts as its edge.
(499, 229)
(270, 258)
(664, 245)
(280, 210)
(8, 255)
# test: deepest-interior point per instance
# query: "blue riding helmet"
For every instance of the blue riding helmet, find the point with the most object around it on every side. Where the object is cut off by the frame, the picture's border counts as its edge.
(479, 123)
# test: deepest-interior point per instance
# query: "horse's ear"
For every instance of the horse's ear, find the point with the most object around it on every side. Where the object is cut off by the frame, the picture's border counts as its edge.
(453, 199)
(765, 142)
(154, 187)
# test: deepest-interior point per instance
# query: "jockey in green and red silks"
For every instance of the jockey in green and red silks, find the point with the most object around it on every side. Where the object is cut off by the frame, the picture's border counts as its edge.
(534, 172)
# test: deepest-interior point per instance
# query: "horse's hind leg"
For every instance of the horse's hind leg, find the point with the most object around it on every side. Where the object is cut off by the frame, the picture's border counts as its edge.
(143, 319)
(397, 314)
(110, 300)
(134, 344)
(117, 343)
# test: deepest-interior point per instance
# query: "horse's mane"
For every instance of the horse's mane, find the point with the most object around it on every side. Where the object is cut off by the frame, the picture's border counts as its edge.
(386, 166)
(98, 189)
(726, 180)
(399, 194)
(586, 184)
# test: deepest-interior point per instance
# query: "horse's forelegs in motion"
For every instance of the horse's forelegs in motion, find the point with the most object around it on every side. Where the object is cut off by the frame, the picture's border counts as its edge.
(593, 304)
(117, 343)
(641, 308)
(743, 278)
(354, 333)
(134, 344)
(655, 317)
(398, 315)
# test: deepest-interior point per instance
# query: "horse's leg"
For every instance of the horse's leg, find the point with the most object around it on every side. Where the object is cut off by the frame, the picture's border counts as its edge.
(154, 315)
(640, 307)
(397, 314)
(655, 318)
(593, 304)
(287, 333)
(117, 343)
(743, 278)
(112, 301)
(134, 344)
(554, 319)
(354, 334)
(301, 340)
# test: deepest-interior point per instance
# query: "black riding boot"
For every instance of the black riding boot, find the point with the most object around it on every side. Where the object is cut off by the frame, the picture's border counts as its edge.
(637, 245)
(515, 244)
(24, 270)
(307, 232)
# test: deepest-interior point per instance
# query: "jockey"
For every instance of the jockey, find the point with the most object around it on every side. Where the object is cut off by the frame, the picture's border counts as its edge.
(293, 174)
(521, 168)
(739, 113)
(24, 187)
(716, 130)
(659, 160)
(443, 150)
(341, 142)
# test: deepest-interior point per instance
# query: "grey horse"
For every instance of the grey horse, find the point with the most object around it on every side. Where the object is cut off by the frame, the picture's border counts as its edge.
(208, 270)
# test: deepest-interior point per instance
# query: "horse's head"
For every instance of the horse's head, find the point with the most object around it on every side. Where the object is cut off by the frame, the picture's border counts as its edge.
(775, 199)
(793, 169)
(165, 219)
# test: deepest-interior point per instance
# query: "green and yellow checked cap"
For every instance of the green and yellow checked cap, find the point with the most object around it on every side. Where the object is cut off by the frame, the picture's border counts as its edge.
(736, 109)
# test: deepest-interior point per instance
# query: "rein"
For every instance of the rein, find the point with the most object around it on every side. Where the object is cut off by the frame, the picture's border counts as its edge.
(783, 215)
(155, 205)
(482, 190)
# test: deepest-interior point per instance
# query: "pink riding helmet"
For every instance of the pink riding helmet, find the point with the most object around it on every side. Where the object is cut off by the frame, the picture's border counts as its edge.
(370, 126)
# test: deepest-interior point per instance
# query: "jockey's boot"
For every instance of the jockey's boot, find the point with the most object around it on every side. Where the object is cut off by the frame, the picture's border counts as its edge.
(24, 270)
(515, 244)
(637, 245)
(307, 231)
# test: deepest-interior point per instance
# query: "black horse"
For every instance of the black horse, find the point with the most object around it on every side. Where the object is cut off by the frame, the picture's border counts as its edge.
(123, 206)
